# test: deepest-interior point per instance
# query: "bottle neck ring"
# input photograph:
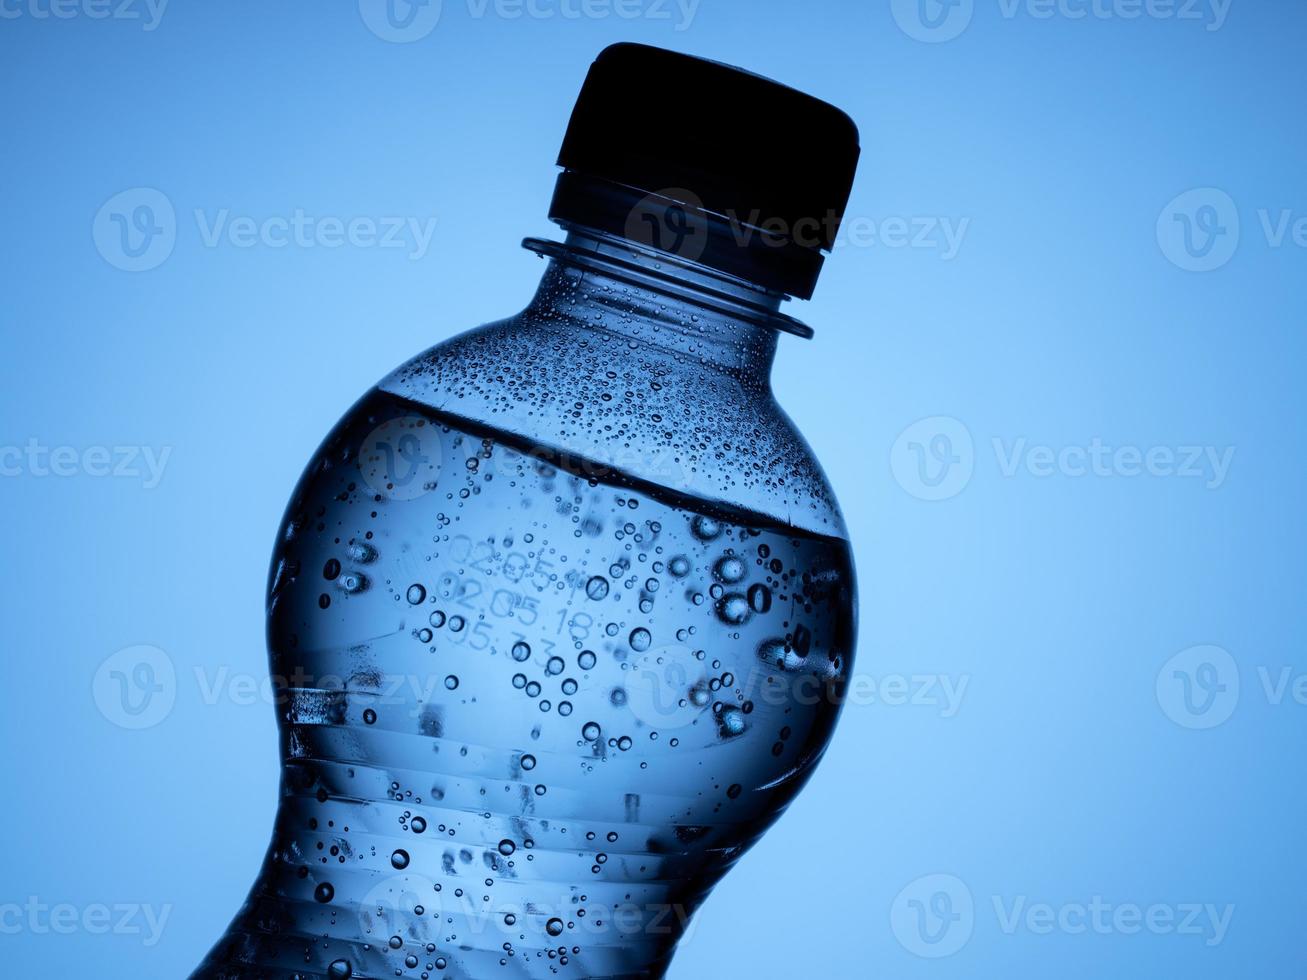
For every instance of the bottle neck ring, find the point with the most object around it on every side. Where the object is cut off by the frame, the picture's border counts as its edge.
(626, 262)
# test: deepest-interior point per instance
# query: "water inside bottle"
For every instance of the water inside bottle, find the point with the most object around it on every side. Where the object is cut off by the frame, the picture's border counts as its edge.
(532, 709)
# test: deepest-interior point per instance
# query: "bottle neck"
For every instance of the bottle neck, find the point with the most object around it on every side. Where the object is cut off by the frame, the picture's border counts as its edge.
(610, 283)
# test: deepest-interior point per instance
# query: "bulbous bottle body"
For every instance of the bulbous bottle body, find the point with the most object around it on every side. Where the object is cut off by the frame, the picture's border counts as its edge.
(561, 614)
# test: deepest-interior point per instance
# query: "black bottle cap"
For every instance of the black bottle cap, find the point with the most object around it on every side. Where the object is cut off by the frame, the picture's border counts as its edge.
(711, 163)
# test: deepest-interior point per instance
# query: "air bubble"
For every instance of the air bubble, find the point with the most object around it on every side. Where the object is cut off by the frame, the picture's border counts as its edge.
(733, 608)
(729, 569)
(705, 528)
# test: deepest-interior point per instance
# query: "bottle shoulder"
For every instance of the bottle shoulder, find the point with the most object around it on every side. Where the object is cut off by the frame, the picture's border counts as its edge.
(596, 397)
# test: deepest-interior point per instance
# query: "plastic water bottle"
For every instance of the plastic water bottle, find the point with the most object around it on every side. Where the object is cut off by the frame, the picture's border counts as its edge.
(561, 612)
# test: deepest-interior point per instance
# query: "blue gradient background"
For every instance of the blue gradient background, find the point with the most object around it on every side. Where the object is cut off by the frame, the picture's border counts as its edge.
(1060, 320)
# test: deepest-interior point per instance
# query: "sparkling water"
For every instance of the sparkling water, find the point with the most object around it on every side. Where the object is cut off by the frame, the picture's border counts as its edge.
(531, 708)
